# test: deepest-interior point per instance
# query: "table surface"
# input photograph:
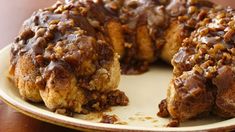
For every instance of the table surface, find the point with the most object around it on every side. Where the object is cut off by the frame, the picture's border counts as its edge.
(12, 15)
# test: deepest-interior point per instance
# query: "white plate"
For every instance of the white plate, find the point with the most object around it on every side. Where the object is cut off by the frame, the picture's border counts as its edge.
(144, 91)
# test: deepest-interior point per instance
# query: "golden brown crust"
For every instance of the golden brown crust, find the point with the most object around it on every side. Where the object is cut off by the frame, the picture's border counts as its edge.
(25, 76)
(114, 29)
(62, 92)
(145, 44)
(142, 23)
(174, 37)
(59, 49)
(107, 79)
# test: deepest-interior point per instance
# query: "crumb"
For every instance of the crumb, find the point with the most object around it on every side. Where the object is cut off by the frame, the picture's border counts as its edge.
(64, 112)
(173, 123)
(163, 112)
(109, 119)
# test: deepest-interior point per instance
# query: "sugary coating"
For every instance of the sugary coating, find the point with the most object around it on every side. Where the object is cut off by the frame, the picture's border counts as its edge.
(59, 57)
(204, 69)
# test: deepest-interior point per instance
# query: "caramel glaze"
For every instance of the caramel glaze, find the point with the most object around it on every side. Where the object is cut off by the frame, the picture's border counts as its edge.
(156, 15)
(52, 35)
(52, 39)
(61, 39)
(92, 17)
(204, 74)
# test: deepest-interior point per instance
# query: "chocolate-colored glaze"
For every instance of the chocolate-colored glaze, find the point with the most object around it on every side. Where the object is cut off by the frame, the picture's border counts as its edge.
(62, 35)
(208, 46)
(156, 15)
(72, 38)
(92, 18)
(61, 40)
(204, 68)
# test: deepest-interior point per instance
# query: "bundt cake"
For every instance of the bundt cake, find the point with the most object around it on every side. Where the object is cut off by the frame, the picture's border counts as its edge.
(70, 56)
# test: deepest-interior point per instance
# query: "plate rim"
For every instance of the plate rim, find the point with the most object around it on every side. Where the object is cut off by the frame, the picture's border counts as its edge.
(86, 125)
